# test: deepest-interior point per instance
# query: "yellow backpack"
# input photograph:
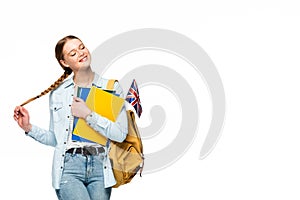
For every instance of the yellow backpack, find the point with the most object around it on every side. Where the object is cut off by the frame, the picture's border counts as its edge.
(127, 158)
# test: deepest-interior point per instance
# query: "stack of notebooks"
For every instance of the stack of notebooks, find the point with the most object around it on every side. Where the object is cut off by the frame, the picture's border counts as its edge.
(103, 102)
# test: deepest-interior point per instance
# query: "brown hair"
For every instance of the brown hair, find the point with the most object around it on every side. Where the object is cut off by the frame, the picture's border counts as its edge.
(67, 71)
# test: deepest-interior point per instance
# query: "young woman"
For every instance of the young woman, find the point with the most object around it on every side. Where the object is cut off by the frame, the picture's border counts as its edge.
(81, 169)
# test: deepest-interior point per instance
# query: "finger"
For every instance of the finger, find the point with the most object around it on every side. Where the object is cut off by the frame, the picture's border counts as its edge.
(23, 111)
(16, 115)
(16, 118)
(77, 99)
(17, 109)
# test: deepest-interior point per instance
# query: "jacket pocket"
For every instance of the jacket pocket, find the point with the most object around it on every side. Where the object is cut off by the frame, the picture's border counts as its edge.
(57, 111)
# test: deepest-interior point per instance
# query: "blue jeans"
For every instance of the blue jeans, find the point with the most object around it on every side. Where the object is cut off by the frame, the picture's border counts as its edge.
(83, 179)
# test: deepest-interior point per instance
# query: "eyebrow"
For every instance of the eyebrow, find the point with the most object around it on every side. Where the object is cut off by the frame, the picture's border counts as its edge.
(74, 48)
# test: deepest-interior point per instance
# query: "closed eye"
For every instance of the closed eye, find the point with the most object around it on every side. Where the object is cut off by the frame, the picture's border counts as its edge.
(81, 47)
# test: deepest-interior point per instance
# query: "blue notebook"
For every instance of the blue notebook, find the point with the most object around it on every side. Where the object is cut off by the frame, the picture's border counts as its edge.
(81, 93)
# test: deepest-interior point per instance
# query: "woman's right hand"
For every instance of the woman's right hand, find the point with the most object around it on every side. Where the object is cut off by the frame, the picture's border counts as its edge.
(21, 116)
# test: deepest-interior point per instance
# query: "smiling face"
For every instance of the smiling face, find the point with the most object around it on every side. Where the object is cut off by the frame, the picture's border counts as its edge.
(75, 55)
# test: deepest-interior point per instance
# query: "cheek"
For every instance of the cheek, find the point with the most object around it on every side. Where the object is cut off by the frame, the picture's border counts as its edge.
(71, 61)
(88, 53)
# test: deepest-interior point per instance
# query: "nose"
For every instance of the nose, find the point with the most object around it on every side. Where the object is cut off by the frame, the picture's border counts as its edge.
(81, 52)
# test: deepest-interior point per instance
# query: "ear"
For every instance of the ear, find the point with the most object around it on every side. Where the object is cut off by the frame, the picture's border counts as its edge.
(64, 63)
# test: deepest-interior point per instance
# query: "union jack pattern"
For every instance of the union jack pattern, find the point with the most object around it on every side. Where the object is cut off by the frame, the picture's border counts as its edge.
(133, 98)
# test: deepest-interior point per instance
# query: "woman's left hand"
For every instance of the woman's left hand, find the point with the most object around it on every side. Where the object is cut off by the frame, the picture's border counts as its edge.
(79, 108)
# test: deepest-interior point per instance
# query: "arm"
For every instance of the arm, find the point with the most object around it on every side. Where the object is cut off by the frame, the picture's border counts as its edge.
(116, 131)
(42, 136)
(21, 115)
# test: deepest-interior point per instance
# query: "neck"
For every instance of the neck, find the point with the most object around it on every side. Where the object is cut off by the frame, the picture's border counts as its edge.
(84, 78)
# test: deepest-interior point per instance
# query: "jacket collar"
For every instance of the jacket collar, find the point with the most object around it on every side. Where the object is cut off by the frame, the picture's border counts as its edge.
(69, 82)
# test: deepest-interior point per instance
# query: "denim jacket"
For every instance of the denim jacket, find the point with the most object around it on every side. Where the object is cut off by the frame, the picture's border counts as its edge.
(60, 101)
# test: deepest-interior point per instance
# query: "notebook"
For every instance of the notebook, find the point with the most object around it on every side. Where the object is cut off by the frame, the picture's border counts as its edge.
(103, 103)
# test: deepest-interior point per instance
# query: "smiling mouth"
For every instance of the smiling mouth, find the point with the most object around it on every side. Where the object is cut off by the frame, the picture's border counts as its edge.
(83, 59)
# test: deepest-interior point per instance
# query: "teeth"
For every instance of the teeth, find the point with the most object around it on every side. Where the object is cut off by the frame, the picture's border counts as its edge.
(83, 59)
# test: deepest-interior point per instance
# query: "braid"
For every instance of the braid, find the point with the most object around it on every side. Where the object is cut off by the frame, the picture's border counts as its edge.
(52, 87)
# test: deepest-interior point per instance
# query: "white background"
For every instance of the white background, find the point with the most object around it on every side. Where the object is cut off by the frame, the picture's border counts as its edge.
(255, 47)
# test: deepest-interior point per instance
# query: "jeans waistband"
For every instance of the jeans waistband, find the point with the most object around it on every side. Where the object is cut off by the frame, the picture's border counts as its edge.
(86, 151)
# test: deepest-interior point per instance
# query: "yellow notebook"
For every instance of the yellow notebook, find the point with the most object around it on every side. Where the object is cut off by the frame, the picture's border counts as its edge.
(105, 104)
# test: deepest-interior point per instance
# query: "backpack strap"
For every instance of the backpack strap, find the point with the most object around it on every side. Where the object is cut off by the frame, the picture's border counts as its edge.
(110, 84)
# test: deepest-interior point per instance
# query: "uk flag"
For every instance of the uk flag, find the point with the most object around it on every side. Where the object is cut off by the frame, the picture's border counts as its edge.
(133, 98)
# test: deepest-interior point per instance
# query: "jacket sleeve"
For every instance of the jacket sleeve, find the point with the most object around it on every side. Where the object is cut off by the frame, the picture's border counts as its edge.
(43, 136)
(116, 131)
